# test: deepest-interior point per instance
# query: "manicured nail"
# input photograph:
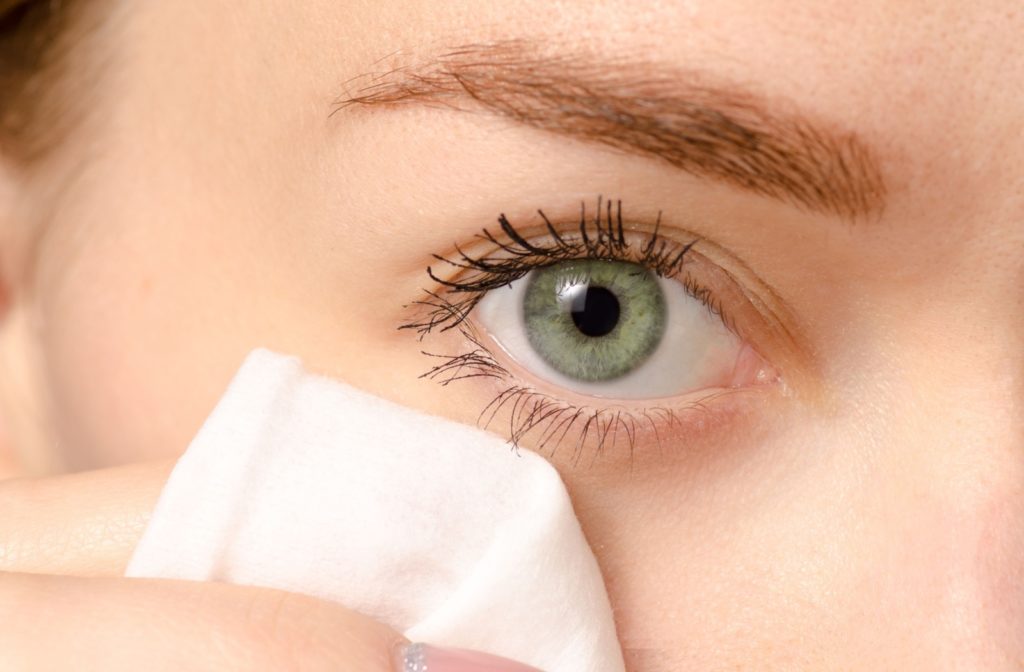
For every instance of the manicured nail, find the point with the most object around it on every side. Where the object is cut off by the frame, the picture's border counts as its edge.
(425, 658)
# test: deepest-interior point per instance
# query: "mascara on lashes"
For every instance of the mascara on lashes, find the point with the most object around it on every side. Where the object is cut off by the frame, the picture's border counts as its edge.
(512, 255)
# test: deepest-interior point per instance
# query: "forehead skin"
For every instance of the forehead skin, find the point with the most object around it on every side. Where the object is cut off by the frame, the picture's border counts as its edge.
(214, 205)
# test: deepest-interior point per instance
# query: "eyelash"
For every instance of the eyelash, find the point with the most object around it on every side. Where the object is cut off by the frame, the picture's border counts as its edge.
(601, 237)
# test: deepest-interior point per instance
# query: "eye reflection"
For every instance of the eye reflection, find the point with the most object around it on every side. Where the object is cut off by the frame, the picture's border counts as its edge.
(610, 329)
(595, 310)
(593, 320)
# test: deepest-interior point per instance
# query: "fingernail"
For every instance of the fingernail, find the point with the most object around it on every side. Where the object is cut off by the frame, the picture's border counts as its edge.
(425, 658)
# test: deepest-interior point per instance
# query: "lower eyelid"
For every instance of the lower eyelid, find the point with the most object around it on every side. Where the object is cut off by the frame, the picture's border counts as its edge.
(538, 415)
(579, 429)
(581, 434)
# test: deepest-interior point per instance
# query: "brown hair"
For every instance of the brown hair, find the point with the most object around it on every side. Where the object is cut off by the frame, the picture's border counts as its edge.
(34, 39)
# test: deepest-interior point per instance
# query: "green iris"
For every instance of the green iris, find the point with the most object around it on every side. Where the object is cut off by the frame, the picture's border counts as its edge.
(594, 320)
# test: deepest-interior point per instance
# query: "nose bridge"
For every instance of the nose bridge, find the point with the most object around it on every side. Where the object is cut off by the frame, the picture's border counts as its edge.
(981, 580)
(969, 538)
(998, 569)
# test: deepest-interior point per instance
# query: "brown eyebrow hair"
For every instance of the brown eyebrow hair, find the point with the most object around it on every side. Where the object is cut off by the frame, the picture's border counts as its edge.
(711, 131)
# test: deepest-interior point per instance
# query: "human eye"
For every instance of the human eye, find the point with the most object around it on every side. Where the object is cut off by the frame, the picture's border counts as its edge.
(610, 329)
(596, 329)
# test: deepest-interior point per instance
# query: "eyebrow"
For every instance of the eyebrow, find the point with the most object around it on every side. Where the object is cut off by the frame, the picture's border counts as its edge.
(708, 130)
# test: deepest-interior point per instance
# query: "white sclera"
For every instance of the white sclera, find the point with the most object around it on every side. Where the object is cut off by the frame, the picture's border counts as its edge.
(696, 352)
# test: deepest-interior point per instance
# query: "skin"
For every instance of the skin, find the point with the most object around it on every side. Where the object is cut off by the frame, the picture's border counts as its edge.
(864, 513)
(66, 539)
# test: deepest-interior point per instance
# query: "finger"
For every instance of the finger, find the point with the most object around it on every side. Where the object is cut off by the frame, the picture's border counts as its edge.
(85, 524)
(64, 623)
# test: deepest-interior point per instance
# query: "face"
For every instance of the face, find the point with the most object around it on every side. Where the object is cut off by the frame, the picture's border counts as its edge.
(786, 396)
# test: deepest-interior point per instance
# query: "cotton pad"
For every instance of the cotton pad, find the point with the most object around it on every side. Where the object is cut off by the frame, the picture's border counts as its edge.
(441, 530)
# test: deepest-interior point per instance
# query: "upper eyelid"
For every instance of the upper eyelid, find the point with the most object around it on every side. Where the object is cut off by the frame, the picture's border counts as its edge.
(602, 234)
(548, 418)
(529, 405)
(599, 235)
(789, 346)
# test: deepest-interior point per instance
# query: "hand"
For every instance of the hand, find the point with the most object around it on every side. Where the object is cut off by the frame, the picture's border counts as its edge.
(64, 604)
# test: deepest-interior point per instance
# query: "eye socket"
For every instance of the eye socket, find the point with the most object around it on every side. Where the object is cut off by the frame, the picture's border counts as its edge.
(610, 329)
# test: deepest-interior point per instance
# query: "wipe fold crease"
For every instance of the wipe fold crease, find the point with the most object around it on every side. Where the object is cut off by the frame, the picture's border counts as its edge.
(441, 530)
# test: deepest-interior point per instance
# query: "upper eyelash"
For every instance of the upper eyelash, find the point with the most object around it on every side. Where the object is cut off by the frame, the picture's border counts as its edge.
(602, 237)
(550, 419)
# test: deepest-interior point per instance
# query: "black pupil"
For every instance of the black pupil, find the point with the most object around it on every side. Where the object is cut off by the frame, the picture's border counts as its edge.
(598, 314)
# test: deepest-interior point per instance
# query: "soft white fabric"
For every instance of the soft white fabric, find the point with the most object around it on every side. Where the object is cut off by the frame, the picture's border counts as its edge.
(441, 530)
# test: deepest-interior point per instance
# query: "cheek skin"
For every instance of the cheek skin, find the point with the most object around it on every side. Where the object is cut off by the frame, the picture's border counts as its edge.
(145, 316)
(722, 538)
(143, 334)
(801, 547)
(136, 353)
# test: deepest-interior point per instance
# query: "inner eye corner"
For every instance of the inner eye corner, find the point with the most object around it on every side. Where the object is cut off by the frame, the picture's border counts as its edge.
(512, 260)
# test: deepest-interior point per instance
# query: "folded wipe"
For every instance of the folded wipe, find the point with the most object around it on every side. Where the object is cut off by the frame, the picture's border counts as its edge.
(305, 484)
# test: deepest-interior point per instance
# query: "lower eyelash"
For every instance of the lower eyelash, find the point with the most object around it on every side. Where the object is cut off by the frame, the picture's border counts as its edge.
(532, 410)
(540, 416)
(553, 419)
(550, 420)
(477, 363)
